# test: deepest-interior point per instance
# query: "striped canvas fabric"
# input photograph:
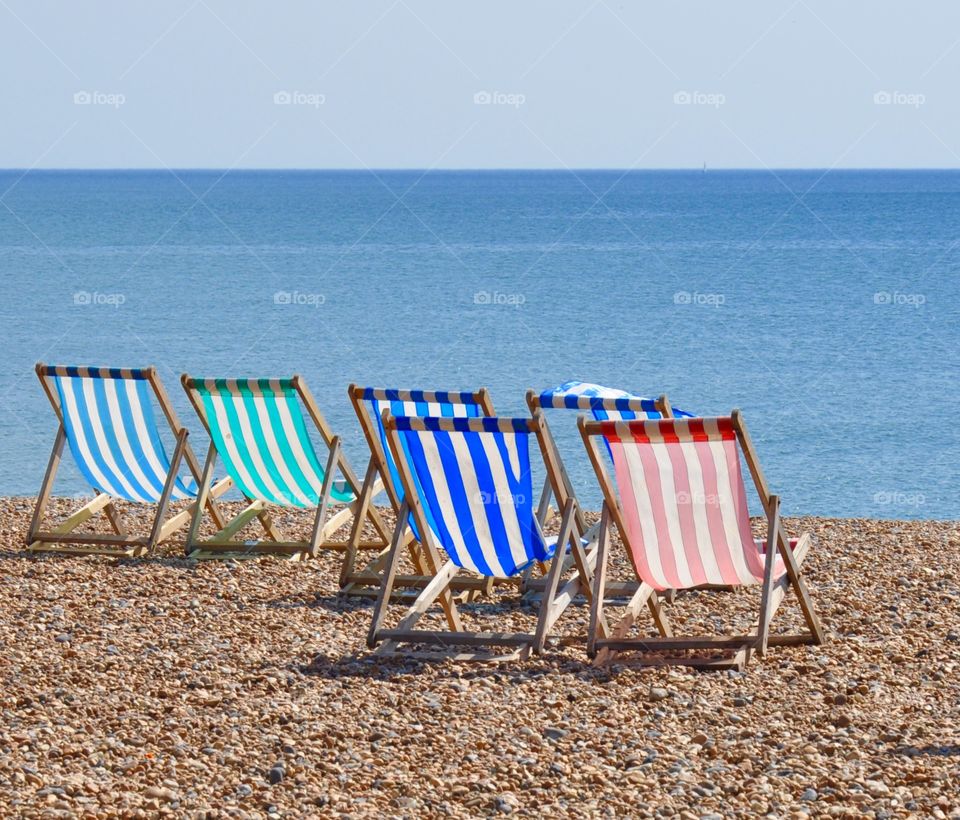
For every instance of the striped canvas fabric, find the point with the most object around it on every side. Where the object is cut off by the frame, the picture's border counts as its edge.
(684, 502)
(113, 435)
(259, 432)
(415, 403)
(570, 394)
(477, 490)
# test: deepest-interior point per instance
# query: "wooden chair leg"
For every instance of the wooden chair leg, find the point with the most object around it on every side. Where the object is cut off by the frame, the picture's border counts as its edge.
(599, 582)
(389, 574)
(799, 586)
(317, 536)
(773, 524)
(553, 578)
(203, 493)
(356, 533)
(168, 486)
(115, 518)
(43, 497)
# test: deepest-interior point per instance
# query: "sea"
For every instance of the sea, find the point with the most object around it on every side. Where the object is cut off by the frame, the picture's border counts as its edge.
(823, 304)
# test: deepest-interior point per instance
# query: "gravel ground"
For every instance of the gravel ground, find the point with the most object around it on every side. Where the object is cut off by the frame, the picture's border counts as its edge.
(167, 687)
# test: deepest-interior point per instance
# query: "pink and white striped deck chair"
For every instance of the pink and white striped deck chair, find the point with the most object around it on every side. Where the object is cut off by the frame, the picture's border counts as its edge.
(678, 499)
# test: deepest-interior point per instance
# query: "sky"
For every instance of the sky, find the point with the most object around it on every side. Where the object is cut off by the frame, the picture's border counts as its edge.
(532, 84)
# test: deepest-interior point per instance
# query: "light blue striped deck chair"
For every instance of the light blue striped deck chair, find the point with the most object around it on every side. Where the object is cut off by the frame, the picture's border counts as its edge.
(369, 404)
(107, 419)
(604, 404)
(257, 429)
(467, 483)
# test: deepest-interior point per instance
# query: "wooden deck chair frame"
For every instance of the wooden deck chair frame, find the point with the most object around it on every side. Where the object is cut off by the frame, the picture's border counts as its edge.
(605, 648)
(122, 543)
(223, 544)
(545, 511)
(457, 643)
(367, 581)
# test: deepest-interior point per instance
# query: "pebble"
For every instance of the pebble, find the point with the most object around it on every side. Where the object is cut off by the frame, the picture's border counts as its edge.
(200, 689)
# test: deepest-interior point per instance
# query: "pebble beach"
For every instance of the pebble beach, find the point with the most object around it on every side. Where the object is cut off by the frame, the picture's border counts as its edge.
(166, 686)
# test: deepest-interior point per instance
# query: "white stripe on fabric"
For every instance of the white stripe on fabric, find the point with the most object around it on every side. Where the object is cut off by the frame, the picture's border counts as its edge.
(638, 481)
(80, 440)
(442, 491)
(253, 450)
(671, 508)
(226, 433)
(158, 462)
(505, 499)
(475, 503)
(120, 434)
(100, 436)
(729, 513)
(297, 446)
(698, 498)
(269, 435)
(512, 446)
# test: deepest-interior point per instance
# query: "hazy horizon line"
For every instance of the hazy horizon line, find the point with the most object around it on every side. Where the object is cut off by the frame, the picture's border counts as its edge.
(506, 169)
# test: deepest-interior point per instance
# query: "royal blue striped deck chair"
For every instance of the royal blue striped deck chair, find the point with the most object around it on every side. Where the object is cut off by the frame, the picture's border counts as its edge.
(369, 404)
(258, 430)
(604, 404)
(467, 484)
(106, 418)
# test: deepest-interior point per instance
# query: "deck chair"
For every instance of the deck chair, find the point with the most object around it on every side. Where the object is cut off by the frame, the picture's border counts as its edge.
(369, 404)
(468, 486)
(678, 500)
(604, 403)
(106, 417)
(257, 428)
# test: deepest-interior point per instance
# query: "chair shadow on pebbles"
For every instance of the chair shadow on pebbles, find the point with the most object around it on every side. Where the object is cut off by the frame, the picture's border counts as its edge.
(328, 603)
(178, 562)
(390, 667)
(949, 750)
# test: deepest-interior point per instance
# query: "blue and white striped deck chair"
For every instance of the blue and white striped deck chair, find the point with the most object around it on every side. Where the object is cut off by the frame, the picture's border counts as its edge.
(369, 404)
(257, 428)
(604, 404)
(107, 420)
(468, 485)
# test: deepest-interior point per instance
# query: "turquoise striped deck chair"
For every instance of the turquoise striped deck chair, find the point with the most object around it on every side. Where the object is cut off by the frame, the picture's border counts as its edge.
(106, 419)
(257, 429)
(467, 485)
(369, 404)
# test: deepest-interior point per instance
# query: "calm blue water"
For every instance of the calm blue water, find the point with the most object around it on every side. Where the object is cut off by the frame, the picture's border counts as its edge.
(825, 306)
